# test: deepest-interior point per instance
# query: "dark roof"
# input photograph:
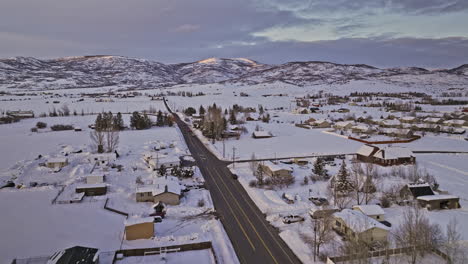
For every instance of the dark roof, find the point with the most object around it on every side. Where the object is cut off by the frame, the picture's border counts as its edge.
(76, 255)
(420, 191)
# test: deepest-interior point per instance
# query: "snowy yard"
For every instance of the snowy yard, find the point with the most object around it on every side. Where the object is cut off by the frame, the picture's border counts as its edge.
(32, 226)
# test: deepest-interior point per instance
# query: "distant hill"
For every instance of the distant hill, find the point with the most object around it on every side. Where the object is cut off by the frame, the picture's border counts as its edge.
(98, 71)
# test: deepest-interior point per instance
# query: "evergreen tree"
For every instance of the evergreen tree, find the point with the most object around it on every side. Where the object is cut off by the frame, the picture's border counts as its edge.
(135, 120)
(159, 119)
(201, 111)
(232, 118)
(319, 168)
(342, 182)
(118, 122)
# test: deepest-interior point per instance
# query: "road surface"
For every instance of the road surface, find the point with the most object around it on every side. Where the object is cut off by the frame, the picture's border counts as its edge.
(254, 239)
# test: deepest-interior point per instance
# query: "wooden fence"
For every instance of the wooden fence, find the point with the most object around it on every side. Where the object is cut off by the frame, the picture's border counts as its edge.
(385, 252)
(386, 141)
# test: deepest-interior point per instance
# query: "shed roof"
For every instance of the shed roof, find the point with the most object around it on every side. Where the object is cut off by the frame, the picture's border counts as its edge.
(436, 197)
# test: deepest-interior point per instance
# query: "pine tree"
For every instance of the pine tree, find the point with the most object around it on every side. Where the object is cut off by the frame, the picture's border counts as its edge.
(342, 183)
(232, 118)
(159, 119)
(118, 122)
(319, 168)
(201, 111)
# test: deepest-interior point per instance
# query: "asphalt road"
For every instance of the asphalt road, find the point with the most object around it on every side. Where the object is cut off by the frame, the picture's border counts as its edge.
(253, 238)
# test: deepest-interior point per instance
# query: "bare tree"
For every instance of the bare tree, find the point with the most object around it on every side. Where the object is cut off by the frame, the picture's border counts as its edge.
(112, 139)
(98, 138)
(323, 233)
(358, 178)
(452, 246)
(417, 233)
(253, 164)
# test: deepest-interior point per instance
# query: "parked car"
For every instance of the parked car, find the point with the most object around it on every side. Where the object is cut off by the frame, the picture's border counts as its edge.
(234, 176)
(319, 201)
(288, 219)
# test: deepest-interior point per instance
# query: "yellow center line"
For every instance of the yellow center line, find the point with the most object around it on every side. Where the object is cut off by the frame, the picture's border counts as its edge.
(268, 230)
(237, 220)
(246, 217)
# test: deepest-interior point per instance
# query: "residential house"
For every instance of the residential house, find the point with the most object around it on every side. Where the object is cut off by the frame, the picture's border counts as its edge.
(343, 110)
(322, 123)
(361, 129)
(354, 224)
(301, 110)
(95, 179)
(261, 134)
(274, 170)
(92, 189)
(20, 114)
(139, 228)
(386, 156)
(439, 201)
(390, 123)
(103, 159)
(413, 191)
(456, 123)
(161, 160)
(57, 163)
(433, 120)
(372, 210)
(345, 125)
(165, 189)
(409, 119)
(77, 254)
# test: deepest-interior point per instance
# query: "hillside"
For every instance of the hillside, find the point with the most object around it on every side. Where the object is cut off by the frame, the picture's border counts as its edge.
(99, 71)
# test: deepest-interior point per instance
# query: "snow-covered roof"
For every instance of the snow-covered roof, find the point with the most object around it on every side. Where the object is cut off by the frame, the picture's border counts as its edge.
(389, 153)
(57, 160)
(104, 156)
(159, 186)
(370, 209)
(432, 119)
(361, 127)
(88, 186)
(358, 221)
(261, 134)
(138, 220)
(275, 167)
(366, 150)
(436, 197)
(321, 121)
(344, 123)
(391, 122)
(455, 122)
(408, 118)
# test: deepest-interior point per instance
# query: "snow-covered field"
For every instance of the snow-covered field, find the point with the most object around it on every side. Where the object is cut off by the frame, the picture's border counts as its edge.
(32, 226)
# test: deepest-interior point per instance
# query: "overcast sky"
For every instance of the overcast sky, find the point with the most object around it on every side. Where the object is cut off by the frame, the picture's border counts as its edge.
(384, 33)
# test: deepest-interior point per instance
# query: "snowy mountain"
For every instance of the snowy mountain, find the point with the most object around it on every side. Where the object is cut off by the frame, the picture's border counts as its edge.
(99, 71)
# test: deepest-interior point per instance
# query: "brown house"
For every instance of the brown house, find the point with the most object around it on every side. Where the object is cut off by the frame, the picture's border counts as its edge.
(274, 170)
(139, 228)
(92, 189)
(387, 156)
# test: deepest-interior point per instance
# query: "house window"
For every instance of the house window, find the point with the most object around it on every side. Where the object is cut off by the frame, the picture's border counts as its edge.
(378, 217)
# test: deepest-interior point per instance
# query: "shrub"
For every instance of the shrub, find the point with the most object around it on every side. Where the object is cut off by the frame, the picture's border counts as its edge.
(201, 203)
(385, 202)
(253, 183)
(60, 127)
(41, 125)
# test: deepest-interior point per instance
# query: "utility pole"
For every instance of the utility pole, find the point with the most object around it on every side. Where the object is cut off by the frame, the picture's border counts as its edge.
(224, 149)
(233, 156)
(315, 238)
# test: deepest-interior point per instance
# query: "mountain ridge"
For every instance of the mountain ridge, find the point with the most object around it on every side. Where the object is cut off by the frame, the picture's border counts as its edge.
(110, 70)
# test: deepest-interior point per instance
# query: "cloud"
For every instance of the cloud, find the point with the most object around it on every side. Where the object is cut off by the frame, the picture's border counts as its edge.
(273, 31)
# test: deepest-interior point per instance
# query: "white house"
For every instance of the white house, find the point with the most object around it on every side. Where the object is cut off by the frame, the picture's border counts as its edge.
(103, 159)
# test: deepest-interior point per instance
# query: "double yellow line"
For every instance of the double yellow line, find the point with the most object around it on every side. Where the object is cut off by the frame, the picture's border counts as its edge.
(243, 212)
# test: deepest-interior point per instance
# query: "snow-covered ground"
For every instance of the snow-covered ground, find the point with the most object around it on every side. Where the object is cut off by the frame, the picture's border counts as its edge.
(201, 256)
(32, 226)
